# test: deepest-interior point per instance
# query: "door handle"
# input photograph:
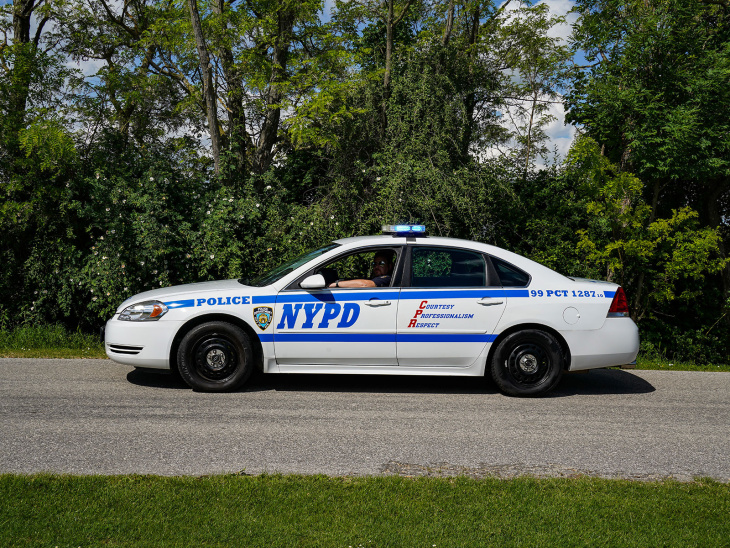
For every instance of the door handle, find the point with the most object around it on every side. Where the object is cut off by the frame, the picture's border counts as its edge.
(377, 302)
(488, 301)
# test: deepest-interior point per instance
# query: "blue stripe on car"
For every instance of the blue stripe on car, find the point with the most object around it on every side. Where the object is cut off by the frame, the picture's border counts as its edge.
(405, 294)
(181, 304)
(378, 337)
(445, 337)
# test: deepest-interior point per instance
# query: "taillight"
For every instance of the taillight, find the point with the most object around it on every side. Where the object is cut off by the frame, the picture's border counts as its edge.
(619, 305)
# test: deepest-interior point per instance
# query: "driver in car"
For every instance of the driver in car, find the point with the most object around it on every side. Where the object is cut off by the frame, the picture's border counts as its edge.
(382, 272)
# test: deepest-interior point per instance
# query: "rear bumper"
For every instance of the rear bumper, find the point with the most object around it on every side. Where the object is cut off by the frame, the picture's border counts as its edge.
(616, 343)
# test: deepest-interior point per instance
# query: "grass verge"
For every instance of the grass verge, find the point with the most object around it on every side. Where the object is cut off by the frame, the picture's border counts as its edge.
(663, 364)
(272, 510)
(49, 341)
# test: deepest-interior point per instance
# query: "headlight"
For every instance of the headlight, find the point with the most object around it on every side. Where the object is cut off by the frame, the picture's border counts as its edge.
(147, 311)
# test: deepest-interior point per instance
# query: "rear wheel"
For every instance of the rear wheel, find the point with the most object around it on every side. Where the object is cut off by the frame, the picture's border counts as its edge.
(215, 357)
(527, 363)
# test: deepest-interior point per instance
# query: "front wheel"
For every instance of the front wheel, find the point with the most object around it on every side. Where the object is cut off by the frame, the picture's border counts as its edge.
(527, 363)
(215, 357)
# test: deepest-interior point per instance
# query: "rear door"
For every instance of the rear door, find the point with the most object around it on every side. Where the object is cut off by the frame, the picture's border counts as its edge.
(448, 312)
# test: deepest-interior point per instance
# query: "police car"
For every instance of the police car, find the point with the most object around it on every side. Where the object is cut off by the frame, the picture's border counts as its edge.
(444, 307)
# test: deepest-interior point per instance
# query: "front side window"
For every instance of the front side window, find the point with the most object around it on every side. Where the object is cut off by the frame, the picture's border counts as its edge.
(268, 278)
(445, 267)
(366, 268)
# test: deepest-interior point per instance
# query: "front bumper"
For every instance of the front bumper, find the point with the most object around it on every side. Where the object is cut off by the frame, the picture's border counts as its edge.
(140, 344)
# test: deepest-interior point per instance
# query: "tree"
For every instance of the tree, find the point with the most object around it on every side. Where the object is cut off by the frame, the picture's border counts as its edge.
(126, 94)
(206, 75)
(259, 47)
(538, 62)
(658, 71)
(648, 256)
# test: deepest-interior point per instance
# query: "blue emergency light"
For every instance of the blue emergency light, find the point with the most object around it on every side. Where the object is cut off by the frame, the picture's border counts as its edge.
(405, 230)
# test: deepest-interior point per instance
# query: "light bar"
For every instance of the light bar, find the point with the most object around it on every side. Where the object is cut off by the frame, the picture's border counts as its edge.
(404, 229)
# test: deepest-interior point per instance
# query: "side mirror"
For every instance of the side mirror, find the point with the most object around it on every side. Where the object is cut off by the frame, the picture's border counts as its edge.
(313, 282)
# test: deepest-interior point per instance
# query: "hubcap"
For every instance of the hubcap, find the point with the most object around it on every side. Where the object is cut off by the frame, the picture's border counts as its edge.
(215, 358)
(528, 364)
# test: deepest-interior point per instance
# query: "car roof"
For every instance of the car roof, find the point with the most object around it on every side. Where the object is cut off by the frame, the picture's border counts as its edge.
(389, 239)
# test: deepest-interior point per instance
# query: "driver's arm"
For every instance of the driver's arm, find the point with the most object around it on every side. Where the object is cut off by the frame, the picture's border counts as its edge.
(353, 283)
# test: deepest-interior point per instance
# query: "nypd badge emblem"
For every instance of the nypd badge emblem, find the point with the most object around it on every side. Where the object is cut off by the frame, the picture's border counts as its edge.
(262, 316)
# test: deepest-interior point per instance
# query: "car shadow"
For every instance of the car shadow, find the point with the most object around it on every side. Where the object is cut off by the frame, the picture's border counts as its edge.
(595, 382)
(601, 382)
(156, 378)
(387, 384)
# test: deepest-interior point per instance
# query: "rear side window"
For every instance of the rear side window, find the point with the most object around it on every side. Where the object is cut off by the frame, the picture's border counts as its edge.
(444, 267)
(509, 275)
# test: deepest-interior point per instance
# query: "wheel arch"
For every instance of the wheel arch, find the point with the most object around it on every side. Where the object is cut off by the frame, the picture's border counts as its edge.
(258, 353)
(521, 327)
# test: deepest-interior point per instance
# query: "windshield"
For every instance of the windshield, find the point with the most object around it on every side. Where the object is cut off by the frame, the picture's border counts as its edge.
(268, 278)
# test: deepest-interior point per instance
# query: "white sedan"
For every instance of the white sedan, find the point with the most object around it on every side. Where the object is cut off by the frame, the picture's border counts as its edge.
(397, 304)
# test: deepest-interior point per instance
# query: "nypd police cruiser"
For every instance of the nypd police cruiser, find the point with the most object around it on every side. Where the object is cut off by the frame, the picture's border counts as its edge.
(445, 307)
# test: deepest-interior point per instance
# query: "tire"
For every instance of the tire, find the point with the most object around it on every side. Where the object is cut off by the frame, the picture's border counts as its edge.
(527, 363)
(215, 357)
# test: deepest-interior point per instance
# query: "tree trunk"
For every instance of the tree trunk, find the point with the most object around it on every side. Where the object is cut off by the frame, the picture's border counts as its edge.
(714, 216)
(238, 140)
(388, 48)
(206, 73)
(388, 67)
(391, 21)
(529, 132)
(470, 100)
(275, 94)
(21, 72)
(449, 24)
(22, 12)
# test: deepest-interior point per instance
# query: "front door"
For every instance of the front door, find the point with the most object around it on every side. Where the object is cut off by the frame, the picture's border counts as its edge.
(344, 326)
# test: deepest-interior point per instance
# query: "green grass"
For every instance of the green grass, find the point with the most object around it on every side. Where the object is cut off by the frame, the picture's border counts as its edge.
(301, 511)
(49, 341)
(663, 364)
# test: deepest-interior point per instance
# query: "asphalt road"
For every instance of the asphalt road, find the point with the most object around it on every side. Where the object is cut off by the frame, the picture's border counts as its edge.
(99, 417)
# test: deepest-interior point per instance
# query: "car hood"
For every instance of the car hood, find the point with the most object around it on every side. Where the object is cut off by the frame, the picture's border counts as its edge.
(166, 293)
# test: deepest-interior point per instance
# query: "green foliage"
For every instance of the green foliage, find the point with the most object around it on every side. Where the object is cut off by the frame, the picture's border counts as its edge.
(654, 97)
(48, 142)
(107, 185)
(649, 257)
(661, 67)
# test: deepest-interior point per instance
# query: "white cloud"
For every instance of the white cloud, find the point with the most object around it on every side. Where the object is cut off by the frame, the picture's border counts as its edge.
(560, 135)
(561, 8)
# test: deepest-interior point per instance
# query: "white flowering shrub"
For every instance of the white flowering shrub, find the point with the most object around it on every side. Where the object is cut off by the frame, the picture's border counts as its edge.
(122, 233)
